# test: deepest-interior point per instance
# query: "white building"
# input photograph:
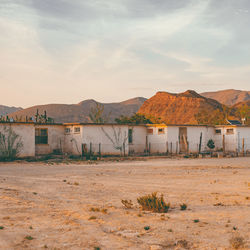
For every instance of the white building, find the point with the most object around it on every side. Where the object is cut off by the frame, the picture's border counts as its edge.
(116, 139)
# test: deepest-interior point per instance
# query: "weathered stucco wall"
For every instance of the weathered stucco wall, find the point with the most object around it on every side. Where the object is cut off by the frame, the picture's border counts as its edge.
(73, 139)
(55, 140)
(111, 138)
(138, 144)
(27, 134)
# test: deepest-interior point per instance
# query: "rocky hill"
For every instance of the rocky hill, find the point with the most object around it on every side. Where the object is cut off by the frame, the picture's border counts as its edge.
(180, 108)
(229, 96)
(5, 110)
(80, 112)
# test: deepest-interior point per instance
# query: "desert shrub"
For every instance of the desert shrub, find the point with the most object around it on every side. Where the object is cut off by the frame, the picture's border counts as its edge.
(153, 203)
(29, 237)
(127, 203)
(196, 220)
(92, 218)
(183, 206)
(146, 228)
(210, 144)
(237, 242)
(10, 144)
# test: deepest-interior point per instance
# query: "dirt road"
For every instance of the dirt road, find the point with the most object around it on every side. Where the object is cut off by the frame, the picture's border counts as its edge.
(78, 206)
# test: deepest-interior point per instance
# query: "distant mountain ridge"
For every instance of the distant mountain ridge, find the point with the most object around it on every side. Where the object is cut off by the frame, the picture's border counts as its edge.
(229, 96)
(179, 108)
(5, 110)
(80, 112)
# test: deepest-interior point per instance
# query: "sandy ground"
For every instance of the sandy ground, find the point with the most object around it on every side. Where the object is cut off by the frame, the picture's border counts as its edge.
(49, 206)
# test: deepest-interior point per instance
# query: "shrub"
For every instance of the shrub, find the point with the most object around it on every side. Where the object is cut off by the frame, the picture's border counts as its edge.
(127, 203)
(92, 217)
(153, 203)
(237, 242)
(1, 227)
(196, 220)
(210, 144)
(29, 237)
(146, 228)
(10, 144)
(183, 206)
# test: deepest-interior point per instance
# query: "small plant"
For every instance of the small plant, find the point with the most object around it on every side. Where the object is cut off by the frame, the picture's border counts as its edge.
(92, 218)
(146, 228)
(127, 203)
(196, 220)
(170, 230)
(64, 180)
(183, 206)
(29, 237)
(35, 193)
(45, 246)
(76, 183)
(104, 210)
(31, 227)
(235, 228)
(210, 144)
(139, 215)
(94, 209)
(1, 227)
(237, 242)
(153, 203)
(97, 248)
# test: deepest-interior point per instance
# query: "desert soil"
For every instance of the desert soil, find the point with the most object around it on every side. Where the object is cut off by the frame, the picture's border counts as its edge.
(50, 205)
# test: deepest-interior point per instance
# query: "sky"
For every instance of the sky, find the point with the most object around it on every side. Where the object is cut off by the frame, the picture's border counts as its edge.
(66, 51)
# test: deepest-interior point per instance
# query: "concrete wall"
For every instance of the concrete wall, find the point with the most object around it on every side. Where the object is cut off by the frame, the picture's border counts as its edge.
(138, 144)
(56, 140)
(73, 140)
(243, 133)
(193, 137)
(27, 134)
(157, 140)
(104, 135)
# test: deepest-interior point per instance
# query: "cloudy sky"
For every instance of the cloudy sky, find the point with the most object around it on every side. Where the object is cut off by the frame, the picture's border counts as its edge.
(65, 51)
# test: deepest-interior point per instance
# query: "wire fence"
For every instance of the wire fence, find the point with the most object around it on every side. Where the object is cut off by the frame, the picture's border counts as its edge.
(237, 146)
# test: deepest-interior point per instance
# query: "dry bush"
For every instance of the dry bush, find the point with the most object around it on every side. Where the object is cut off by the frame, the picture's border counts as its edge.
(153, 203)
(127, 203)
(237, 242)
(183, 206)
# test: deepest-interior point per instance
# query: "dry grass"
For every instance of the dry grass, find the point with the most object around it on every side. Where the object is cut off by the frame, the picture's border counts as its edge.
(237, 242)
(153, 203)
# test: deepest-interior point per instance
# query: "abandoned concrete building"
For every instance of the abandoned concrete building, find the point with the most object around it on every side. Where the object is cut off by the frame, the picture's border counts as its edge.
(115, 139)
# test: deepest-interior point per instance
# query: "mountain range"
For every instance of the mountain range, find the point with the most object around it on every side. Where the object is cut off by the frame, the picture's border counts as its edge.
(80, 112)
(188, 107)
(4, 110)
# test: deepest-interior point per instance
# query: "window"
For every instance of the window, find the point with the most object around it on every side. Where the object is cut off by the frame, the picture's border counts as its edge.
(130, 135)
(41, 136)
(77, 130)
(150, 131)
(218, 131)
(230, 131)
(67, 130)
(161, 131)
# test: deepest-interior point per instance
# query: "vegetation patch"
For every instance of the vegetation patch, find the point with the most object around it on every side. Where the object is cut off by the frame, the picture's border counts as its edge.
(153, 203)
(183, 206)
(127, 203)
(237, 242)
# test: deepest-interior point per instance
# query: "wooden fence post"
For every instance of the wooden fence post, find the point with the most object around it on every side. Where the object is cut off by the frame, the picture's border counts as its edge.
(200, 143)
(223, 145)
(243, 146)
(100, 154)
(177, 148)
(90, 149)
(171, 148)
(166, 148)
(149, 148)
(124, 151)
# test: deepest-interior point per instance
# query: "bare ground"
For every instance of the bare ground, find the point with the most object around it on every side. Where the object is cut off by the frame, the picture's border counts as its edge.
(49, 206)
